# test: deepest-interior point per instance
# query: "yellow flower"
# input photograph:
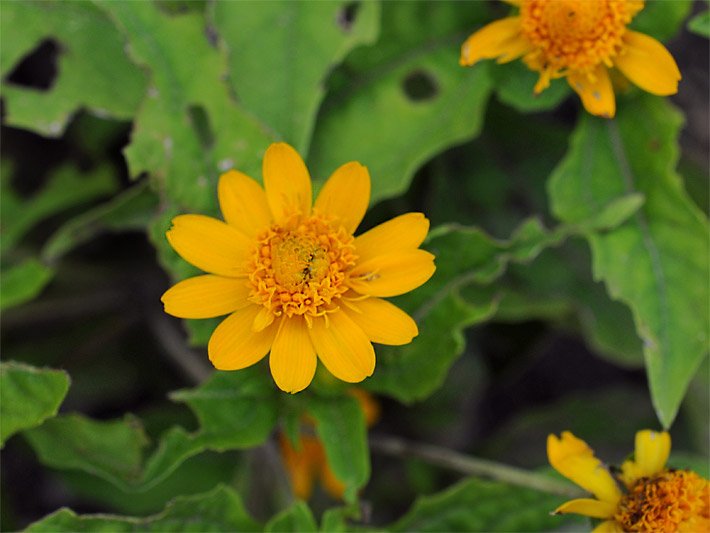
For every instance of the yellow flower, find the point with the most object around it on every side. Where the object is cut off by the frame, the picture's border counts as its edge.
(291, 276)
(580, 40)
(656, 498)
(307, 462)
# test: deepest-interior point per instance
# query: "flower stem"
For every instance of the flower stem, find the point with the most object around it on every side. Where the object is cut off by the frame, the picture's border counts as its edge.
(472, 466)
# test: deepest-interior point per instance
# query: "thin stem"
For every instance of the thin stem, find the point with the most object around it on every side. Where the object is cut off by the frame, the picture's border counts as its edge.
(472, 466)
(186, 360)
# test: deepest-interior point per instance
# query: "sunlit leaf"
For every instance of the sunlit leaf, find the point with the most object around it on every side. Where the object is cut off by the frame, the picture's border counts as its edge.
(103, 81)
(218, 510)
(293, 45)
(412, 101)
(656, 262)
(189, 128)
(28, 396)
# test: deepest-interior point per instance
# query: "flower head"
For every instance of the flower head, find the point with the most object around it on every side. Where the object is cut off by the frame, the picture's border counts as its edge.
(580, 40)
(291, 276)
(655, 498)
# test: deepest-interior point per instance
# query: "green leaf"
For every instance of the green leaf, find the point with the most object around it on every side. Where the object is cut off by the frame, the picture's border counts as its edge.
(463, 256)
(515, 85)
(700, 24)
(66, 187)
(236, 410)
(21, 283)
(112, 450)
(218, 510)
(478, 505)
(340, 425)
(296, 518)
(130, 210)
(312, 38)
(28, 396)
(189, 128)
(93, 71)
(656, 262)
(662, 19)
(412, 100)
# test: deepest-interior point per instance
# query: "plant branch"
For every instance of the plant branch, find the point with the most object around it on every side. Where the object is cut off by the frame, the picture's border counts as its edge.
(468, 465)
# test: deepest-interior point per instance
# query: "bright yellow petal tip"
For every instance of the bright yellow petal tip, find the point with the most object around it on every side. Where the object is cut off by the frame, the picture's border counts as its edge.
(293, 279)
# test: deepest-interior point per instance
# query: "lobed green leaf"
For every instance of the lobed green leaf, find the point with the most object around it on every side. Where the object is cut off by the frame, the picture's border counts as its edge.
(656, 262)
(28, 396)
(218, 510)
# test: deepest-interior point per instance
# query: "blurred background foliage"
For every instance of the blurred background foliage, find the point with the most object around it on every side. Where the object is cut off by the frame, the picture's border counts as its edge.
(572, 252)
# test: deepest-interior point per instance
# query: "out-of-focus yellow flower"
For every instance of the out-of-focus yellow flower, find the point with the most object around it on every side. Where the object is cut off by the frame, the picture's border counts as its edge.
(307, 462)
(291, 276)
(580, 40)
(656, 499)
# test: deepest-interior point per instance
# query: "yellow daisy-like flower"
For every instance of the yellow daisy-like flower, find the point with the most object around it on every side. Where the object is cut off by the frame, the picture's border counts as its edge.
(291, 276)
(580, 40)
(656, 498)
(307, 462)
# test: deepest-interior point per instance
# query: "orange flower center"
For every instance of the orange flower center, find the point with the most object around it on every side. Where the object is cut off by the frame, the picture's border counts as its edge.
(672, 500)
(300, 267)
(575, 34)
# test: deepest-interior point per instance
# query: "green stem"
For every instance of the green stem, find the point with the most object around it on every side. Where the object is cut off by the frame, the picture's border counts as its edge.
(473, 466)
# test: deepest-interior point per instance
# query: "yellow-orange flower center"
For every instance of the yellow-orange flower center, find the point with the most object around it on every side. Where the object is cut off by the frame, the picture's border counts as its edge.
(575, 34)
(300, 266)
(672, 500)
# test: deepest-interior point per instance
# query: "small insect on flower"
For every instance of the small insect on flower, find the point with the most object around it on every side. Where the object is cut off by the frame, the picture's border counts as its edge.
(656, 498)
(291, 276)
(580, 40)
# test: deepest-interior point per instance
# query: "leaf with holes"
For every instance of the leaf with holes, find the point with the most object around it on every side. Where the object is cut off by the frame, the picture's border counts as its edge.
(189, 129)
(656, 262)
(407, 99)
(28, 396)
(220, 509)
(293, 45)
(92, 71)
(479, 505)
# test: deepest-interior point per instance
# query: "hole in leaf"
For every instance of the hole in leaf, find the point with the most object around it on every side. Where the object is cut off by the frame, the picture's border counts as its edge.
(201, 124)
(420, 86)
(38, 69)
(347, 15)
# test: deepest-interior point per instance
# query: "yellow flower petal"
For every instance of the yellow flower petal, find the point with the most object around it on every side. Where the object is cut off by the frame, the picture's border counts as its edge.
(587, 507)
(243, 203)
(382, 321)
(648, 64)
(234, 345)
(346, 195)
(595, 90)
(501, 39)
(287, 182)
(392, 274)
(652, 449)
(609, 526)
(404, 232)
(209, 244)
(206, 297)
(293, 357)
(343, 347)
(572, 458)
